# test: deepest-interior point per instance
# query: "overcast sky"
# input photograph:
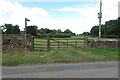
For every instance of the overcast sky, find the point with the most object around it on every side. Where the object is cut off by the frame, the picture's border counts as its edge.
(76, 15)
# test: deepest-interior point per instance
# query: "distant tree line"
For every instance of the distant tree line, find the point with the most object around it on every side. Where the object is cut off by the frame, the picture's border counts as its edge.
(111, 29)
(33, 30)
(44, 32)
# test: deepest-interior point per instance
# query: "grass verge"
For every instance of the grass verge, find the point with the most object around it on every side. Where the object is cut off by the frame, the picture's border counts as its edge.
(59, 56)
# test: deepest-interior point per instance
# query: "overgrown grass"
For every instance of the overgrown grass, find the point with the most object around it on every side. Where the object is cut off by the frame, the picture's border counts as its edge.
(109, 53)
(59, 56)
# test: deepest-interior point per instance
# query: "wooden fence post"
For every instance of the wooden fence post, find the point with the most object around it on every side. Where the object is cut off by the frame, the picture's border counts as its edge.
(76, 43)
(32, 43)
(85, 42)
(67, 43)
(58, 43)
(48, 43)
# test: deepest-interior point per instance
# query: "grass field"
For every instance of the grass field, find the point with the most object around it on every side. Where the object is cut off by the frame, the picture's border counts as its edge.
(71, 55)
(93, 37)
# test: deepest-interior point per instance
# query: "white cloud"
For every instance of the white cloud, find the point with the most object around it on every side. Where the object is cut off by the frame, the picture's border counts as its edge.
(109, 12)
(14, 13)
(110, 9)
(83, 24)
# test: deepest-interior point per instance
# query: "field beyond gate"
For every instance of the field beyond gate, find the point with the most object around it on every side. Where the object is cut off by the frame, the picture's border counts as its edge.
(47, 43)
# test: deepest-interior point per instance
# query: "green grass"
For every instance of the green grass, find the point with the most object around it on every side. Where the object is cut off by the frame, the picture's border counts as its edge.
(71, 55)
(61, 55)
(109, 53)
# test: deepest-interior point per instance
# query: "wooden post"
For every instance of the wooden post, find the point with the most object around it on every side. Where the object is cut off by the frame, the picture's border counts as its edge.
(85, 42)
(32, 43)
(67, 43)
(58, 43)
(76, 42)
(48, 43)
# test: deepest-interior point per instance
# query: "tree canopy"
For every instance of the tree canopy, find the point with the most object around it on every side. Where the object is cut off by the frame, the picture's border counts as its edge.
(32, 30)
(10, 29)
(110, 29)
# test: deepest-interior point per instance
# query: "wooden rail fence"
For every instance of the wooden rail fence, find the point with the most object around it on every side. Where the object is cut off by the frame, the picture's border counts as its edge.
(48, 43)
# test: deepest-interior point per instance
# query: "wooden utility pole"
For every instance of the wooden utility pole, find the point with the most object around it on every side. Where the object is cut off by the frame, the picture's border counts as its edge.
(100, 17)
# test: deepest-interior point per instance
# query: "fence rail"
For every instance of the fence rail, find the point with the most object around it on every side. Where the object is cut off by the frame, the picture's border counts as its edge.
(57, 43)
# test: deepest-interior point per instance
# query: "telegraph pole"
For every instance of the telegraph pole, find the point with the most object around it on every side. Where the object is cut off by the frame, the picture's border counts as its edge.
(26, 33)
(100, 17)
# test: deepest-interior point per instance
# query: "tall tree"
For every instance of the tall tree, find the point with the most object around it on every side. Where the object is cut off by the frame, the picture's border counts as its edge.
(10, 29)
(32, 30)
(111, 29)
